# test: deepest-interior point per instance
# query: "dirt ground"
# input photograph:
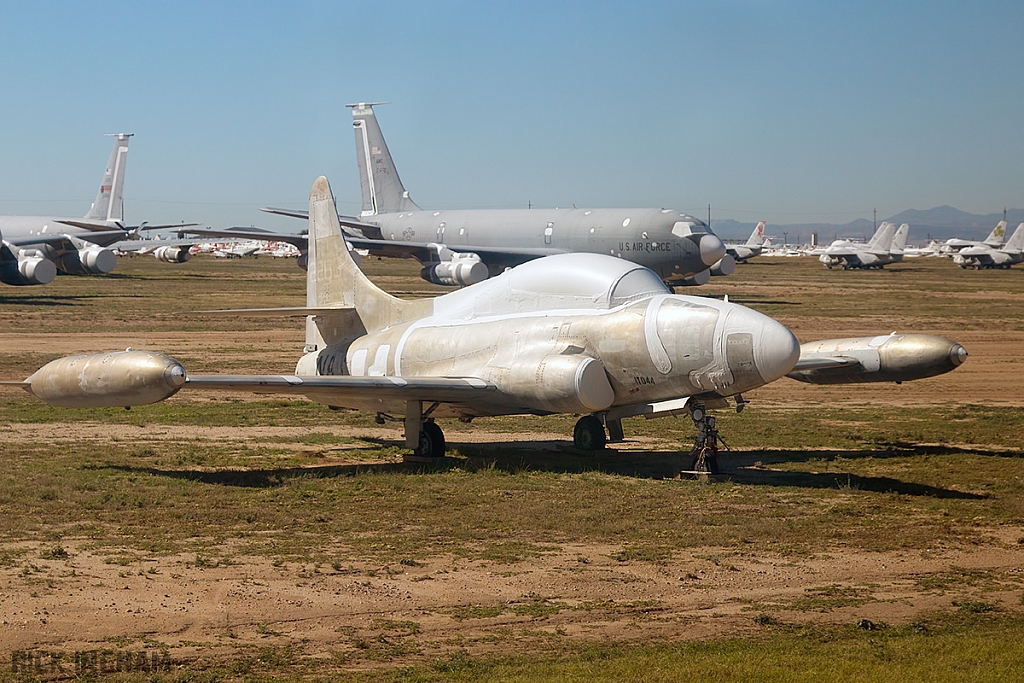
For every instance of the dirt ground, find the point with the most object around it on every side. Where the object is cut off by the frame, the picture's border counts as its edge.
(413, 612)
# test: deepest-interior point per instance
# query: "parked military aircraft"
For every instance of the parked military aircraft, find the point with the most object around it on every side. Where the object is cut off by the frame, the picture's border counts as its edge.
(571, 333)
(461, 247)
(877, 253)
(988, 256)
(995, 239)
(753, 246)
(35, 248)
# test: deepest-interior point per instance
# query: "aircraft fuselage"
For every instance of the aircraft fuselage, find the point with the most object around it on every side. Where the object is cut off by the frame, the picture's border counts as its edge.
(671, 243)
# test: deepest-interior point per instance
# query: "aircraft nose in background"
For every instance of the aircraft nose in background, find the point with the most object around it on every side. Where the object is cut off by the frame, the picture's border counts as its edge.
(711, 249)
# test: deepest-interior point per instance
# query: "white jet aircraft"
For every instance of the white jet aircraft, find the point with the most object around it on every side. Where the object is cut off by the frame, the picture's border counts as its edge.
(588, 334)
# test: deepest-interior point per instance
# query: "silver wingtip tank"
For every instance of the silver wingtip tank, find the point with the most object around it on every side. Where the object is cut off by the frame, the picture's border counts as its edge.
(892, 358)
(103, 380)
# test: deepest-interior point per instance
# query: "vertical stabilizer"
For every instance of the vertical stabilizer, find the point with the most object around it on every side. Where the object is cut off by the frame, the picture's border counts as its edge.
(381, 187)
(1016, 241)
(334, 279)
(997, 236)
(882, 239)
(756, 238)
(899, 240)
(109, 200)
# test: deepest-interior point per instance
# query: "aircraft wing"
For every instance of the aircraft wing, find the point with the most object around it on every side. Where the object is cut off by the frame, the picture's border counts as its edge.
(368, 229)
(342, 390)
(67, 242)
(421, 251)
(129, 246)
(291, 213)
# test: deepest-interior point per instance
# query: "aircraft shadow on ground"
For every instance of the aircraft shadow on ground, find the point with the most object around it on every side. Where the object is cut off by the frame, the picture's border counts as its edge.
(34, 300)
(741, 467)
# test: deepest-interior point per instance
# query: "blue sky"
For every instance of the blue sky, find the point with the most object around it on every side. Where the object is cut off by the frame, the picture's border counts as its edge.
(784, 110)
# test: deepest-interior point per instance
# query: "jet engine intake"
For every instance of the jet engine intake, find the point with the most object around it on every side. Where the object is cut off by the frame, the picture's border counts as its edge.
(724, 266)
(563, 383)
(28, 268)
(170, 254)
(91, 261)
(454, 268)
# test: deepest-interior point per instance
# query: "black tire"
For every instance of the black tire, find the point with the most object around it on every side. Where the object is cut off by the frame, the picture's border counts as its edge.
(589, 434)
(432, 443)
(710, 464)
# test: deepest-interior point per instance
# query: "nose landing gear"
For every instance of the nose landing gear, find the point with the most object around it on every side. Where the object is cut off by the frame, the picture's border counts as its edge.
(704, 453)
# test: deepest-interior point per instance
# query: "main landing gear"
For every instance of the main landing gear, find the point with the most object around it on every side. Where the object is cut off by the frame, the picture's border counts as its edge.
(422, 435)
(589, 434)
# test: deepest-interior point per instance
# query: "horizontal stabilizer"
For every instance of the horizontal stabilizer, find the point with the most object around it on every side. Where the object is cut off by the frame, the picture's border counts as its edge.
(90, 225)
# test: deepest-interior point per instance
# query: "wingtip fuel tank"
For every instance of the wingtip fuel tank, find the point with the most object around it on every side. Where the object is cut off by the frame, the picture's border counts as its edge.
(122, 379)
(892, 358)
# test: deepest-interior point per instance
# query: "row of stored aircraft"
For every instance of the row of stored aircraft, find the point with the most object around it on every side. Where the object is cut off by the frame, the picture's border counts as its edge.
(33, 249)
(580, 333)
(455, 247)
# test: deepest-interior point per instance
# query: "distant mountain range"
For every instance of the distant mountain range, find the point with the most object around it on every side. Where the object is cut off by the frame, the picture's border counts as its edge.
(939, 223)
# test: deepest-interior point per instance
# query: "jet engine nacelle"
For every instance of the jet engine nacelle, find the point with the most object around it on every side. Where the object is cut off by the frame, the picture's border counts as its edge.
(92, 261)
(696, 280)
(561, 383)
(302, 261)
(724, 266)
(28, 268)
(455, 269)
(170, 254)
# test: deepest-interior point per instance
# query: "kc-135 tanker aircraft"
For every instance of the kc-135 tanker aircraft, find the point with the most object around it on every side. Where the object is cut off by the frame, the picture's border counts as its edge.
(34, 248)
(463, 247)
(588, 334)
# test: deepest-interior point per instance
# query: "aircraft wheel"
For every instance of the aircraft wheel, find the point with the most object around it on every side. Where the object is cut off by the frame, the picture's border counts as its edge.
(589, 434)
(431, 441)
(705, 462)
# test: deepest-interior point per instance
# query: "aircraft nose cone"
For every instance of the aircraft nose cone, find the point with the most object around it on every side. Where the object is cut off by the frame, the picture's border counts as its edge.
(767, 343)
(777, 351)
(711, 249)
(957, 355)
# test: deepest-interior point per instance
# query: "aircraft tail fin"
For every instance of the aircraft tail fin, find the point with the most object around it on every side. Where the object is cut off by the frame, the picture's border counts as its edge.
(1016, 241)
(334, 280)
(997, 236)
(756, 238)
(381, 187)
(109, 204)
(882, 239)
(899, 240)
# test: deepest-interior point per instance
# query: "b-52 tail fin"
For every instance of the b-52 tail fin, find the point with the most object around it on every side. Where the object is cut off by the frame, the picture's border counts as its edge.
(381, 187)
(108, 205)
